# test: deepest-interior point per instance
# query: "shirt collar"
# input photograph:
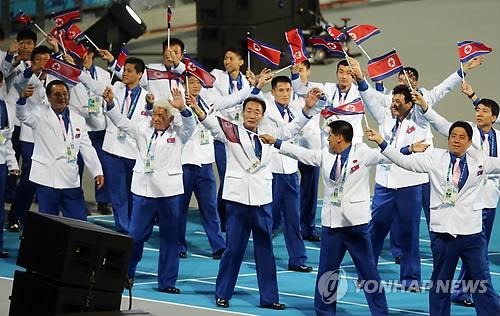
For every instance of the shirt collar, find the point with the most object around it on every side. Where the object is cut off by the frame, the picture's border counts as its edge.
(280, 107)
(135, 91)
(64, 113)
(453, 158)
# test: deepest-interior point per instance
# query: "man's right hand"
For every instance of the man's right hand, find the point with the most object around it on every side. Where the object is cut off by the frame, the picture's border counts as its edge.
(106, 55)
(108, 95)
(12, 47)
(28, 91)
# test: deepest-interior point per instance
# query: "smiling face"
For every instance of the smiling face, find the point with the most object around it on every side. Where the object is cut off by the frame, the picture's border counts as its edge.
(458, 141)
(252, 115)
(161, 118)
(58, 97)
(399, 107)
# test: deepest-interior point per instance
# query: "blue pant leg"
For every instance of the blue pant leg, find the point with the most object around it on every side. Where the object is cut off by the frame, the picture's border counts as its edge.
(261, 223)
(117, 175)
(291, 214)
(25, 192)
(473, 249)
(141, 227)
(206, 194)
(330, 257)
(309, 183)
(189, 175)
(49, 199)
(3, 185)
(72, 204)
(395, 238)
(11, 185)
(383, 212)
(102, 195)
(238, 232)
(409, 204)
(168, 262)
(278, 189)
(488, 219)
(445, 254)
(358, 244)
(426, 201)
(220, 160)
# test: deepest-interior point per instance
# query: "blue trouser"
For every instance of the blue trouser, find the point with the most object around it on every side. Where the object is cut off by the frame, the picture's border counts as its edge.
(406, 203)
(488, 219)
(3, 184)
(309, 179)
(241, 220)
(103, 195)
(201, 180)
(25, 192)
(119, 172)
(286, 202)
(395, 238)
(146, 211)
(11, 185)
(68, 201)
(220, 160)
(334, 244)
(446, 250)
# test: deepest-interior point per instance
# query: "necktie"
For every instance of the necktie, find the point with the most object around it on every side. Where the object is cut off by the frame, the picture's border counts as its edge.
(486, 144)
(235, 86)
(335, 172)
(286, 117)
(456, 173)
(258, 147)
(341, 98)
(63, 126)
(395, 132)
(128, 101)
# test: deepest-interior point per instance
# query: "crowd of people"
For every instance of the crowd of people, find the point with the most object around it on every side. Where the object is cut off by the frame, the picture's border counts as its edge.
(150, 143)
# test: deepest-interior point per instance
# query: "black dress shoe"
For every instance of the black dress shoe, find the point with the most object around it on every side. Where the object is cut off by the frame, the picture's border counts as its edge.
(221, 302)
(301, 268)
(183, 255)
(129, 284)
(313, 238)
(14, 226)
(4, 254)
(170, 290)
(275, 305)
(397, 260)
(218, 254)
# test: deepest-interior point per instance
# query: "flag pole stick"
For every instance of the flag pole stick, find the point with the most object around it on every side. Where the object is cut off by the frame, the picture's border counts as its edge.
(248, 53)
(168, 28)
(461, 66)
(91, 42)
(408, 79)
(62, 44)
(364, 52)
(282, 69)
(41, 42)
(346, 57)
(40, 29)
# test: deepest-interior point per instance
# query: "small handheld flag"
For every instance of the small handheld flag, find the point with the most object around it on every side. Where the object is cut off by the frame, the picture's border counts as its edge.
(360, 33)
(169, 17)
(62, 71)
(230, 130)
(335, 34)
(264, 52)
(20, 17)
(65, 17)
(384, 66)
(332, 48)
(195, 69)
(120, 60)
(468, 50)
(295, 42)
(154, 74)
(354, 107)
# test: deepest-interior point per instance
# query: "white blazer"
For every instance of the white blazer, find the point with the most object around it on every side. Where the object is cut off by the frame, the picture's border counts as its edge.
(79, 101)
(49, 164)
(355, 204)
(119, 147)
(242, 184)
(465, 218)
(221, 88)
(332, 93)
(413, 128)
(7, 154)
(491, 192)
(166, 180)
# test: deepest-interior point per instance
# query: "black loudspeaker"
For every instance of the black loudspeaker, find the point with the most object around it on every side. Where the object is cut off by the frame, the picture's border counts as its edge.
(74, 252)
(34, 295)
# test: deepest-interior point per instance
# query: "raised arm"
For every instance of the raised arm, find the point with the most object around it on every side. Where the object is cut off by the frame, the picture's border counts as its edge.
(307, 156)
(115, 116)
(23, 113)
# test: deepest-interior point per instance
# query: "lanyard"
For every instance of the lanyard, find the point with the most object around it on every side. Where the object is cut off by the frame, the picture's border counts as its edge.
(340, 182)
(340, 94)
(63, 127)
(231, 85)
(450, 173)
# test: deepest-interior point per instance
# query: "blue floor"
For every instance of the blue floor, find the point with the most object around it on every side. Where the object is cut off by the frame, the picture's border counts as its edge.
(198, 273)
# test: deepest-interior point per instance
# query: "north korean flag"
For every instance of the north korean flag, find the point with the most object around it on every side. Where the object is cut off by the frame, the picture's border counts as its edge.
(335, 34)
(63, 71)
(65, 17)
(384, 66)
(332, 48)
(295, 42)
(469, 49)
(360, 33)
(154, 74)
(264, 52)
(230, 130)
(121, 59)
(354, 107)
(169, 17)
(193, 68)
(20, 17)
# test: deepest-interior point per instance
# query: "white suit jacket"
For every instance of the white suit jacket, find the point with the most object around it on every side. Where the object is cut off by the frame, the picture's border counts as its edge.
(49, 164)
(490, 193)
(355, 205)
(465, 218)
(166, 180)
(254, 186)
(221, 88)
